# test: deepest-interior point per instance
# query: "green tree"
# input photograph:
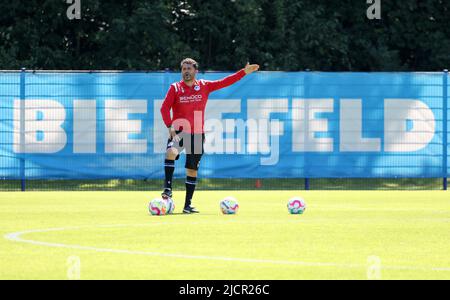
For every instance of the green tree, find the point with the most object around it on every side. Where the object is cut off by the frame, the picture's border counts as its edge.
(286, 35)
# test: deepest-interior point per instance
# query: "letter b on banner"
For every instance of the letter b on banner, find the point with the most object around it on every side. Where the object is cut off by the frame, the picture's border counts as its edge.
(42, 130)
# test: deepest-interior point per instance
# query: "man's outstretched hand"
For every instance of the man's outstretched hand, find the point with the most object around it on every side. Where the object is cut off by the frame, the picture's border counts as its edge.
(250, 68)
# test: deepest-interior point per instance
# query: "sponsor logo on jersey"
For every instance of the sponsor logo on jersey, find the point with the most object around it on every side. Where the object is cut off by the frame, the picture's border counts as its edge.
(192, 98)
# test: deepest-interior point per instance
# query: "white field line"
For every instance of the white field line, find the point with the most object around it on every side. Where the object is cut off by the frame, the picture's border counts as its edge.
(18, 237)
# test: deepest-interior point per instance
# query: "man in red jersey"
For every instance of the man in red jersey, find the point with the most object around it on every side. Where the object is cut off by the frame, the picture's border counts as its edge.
(187, 100)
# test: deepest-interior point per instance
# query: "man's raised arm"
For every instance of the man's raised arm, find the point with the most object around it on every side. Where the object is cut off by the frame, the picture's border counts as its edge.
(229, 80)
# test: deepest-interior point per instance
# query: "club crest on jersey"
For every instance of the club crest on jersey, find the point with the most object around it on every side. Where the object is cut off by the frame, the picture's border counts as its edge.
(197, 88)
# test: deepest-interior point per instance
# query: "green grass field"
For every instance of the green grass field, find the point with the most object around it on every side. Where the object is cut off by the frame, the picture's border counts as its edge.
(340, 235)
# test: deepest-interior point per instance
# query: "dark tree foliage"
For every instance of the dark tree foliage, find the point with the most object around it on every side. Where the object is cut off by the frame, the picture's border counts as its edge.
(290, 35)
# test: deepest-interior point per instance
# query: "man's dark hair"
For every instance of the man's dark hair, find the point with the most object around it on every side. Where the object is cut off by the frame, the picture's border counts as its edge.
(189, 61)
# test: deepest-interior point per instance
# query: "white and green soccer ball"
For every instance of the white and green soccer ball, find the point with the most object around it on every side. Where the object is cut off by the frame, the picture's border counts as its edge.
(170, 204)
(229, 206)
(158, 207)
(296, 206)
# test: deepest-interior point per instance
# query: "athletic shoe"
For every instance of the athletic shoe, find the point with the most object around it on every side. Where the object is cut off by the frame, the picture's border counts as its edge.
(166, 194)
(190, 210)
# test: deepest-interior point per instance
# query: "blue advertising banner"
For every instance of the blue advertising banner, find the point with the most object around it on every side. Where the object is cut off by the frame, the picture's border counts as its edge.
(268, 125)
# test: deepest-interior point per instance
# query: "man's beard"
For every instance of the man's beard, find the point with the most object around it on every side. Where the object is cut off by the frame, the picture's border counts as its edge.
(187, 77)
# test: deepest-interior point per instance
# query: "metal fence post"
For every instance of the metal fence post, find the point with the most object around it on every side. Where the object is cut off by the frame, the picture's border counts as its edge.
(306, 124)
(445, 130)
(22, 129)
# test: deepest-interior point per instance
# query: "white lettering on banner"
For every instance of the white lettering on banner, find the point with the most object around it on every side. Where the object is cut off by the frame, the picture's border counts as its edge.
(351, 139)
(305, 124)
(43, 126)
(409, 125)
(84, 126)
(160, 132)
(276, 130)
(118, 126)
(261, 110)
(241, 127)
(216, 126)
(397, 137)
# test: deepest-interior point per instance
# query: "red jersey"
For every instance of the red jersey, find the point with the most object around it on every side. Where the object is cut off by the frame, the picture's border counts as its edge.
(187, 102)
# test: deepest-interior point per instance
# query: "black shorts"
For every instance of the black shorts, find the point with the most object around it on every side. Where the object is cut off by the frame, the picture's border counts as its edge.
(193, 145)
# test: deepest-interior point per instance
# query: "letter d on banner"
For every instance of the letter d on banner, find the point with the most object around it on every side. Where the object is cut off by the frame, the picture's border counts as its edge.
(397, 136)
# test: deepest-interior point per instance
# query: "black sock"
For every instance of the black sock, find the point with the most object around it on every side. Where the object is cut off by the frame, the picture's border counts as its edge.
(190, 188)
(169, 167)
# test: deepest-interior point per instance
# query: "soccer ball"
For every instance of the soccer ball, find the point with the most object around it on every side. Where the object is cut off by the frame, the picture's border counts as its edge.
(170, 204)
(296, 206)
(229, 206)
(158, 207)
